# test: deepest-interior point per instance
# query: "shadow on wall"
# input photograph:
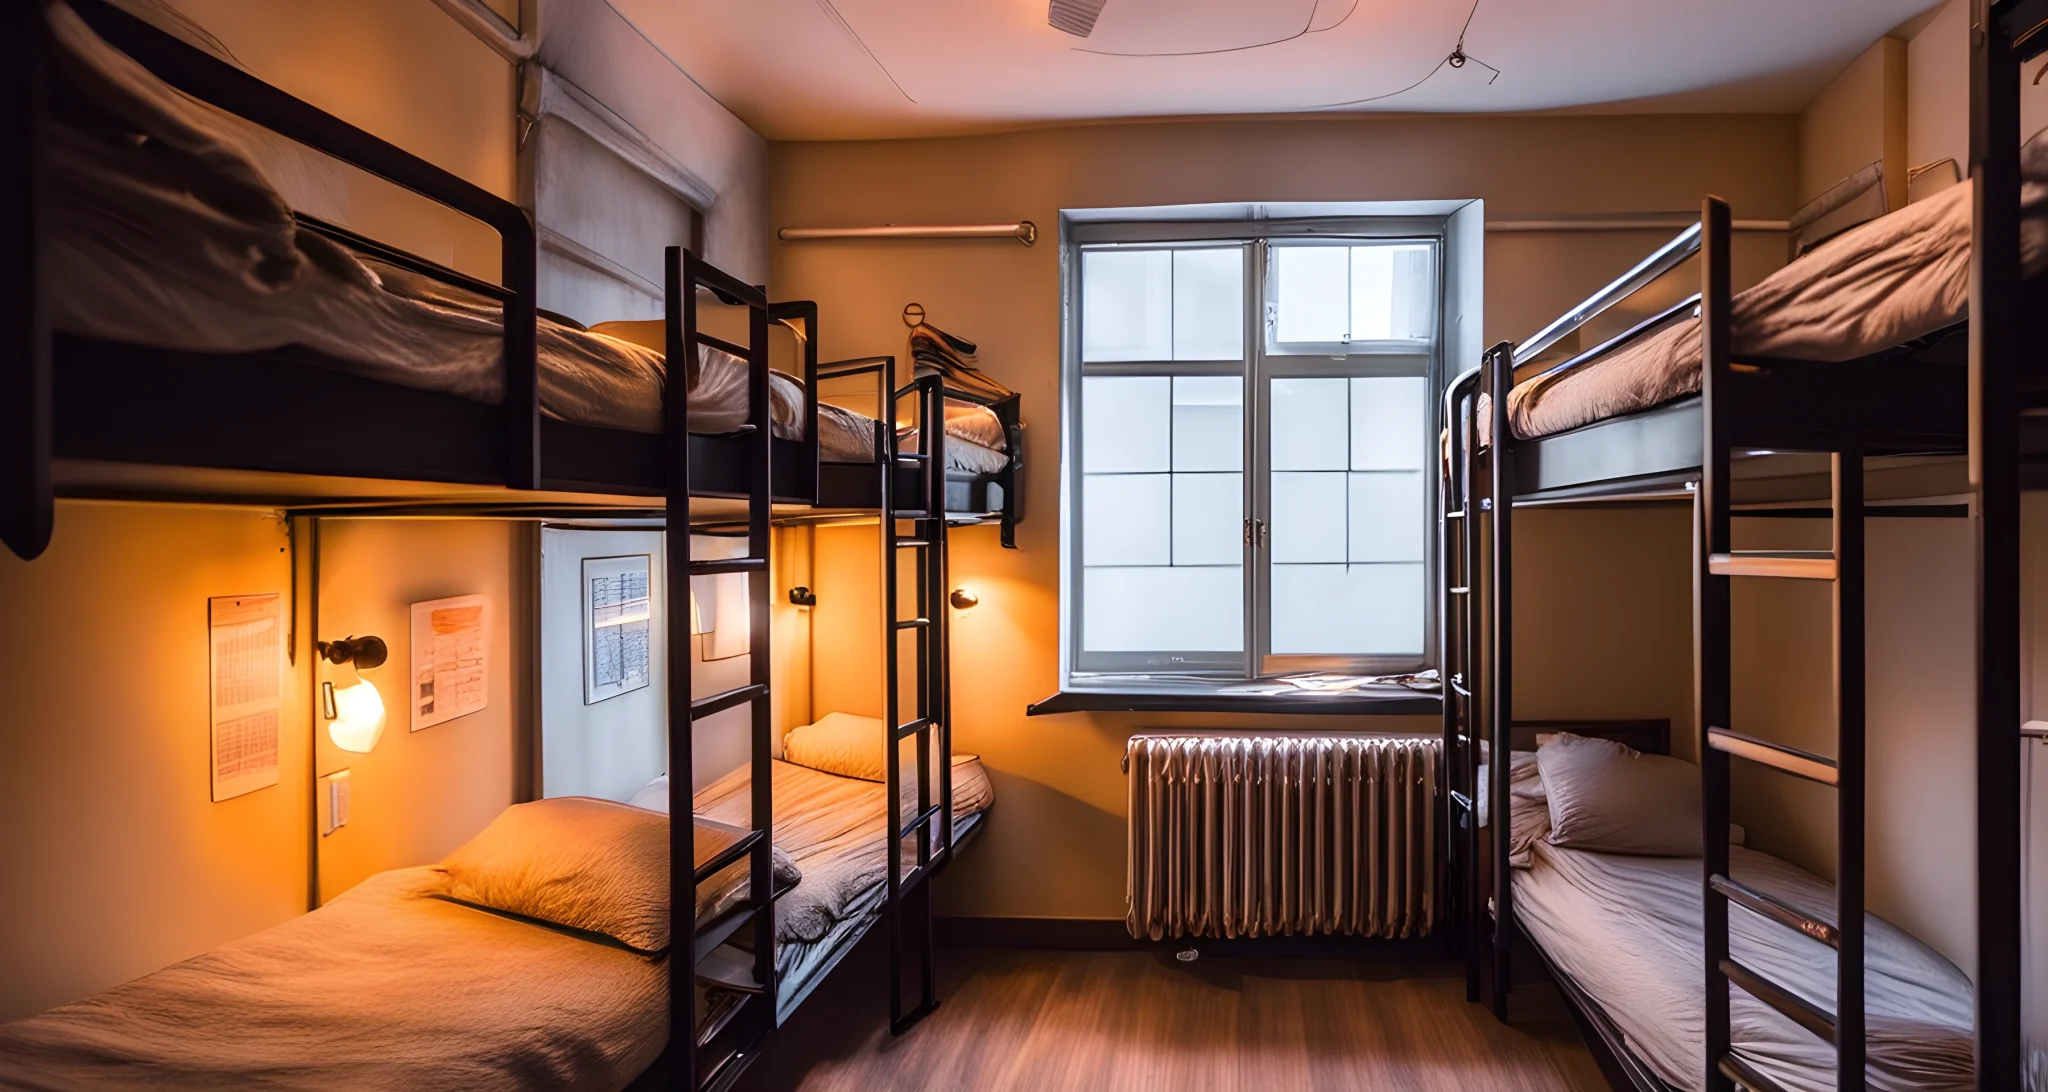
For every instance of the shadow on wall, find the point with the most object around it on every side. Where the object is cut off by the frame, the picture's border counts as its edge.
(1037, 838)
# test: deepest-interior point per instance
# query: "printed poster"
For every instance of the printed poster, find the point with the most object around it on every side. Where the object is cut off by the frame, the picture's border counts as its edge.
(450, 646)
(245, 689)
(618, 617)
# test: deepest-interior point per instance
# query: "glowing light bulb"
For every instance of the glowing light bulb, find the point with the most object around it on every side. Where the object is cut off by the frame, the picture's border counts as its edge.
(358, 717)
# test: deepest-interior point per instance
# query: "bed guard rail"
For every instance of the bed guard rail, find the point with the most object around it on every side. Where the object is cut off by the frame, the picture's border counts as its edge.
(1661, 261)
(27, 509)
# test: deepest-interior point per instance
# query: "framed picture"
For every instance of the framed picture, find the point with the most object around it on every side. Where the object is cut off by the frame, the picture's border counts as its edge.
(618, 621)
(451, 641)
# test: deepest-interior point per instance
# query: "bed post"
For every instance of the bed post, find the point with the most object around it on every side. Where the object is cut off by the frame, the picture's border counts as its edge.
(760, 653)
(1500, 381)
(27, 500)
(679, 312)
(520, 270)
(1711, 622)
(1994, 472)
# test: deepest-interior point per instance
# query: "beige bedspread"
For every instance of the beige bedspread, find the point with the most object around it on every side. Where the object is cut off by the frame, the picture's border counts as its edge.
(383, 988)
(1899, 277)
(832, 827)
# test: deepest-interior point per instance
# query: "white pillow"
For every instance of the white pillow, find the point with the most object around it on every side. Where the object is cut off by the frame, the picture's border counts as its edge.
(840, 743)
(1610, 797)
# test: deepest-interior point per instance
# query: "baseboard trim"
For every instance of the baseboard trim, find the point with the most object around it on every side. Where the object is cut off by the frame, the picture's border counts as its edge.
(1110, 935)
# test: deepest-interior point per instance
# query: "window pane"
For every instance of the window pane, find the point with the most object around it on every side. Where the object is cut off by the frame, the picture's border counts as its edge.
(1392, 292)
(1308, 517)
(1208, 304)
(1386, 516)
(1124, 519)
(1208, 519)
(1309, 426)
(1313, 283)
(1126, 305)
(1208, 423)
(1124, 423)
(1360, 610)
(1387, 423)
(1163, 610)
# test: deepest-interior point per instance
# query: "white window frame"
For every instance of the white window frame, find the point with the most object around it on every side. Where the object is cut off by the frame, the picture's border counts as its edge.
(1264, 360)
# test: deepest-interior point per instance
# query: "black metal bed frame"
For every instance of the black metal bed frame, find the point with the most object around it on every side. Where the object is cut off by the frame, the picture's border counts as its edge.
(1963, 390)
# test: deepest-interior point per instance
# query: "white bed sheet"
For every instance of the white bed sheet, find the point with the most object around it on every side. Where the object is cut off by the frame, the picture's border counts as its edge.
(1628, 931)
(384, 988)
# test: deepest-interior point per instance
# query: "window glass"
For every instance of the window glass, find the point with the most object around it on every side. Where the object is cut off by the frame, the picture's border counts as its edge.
(1208, 304)
(1126, 305)
(1126, 424)
(1178, 609)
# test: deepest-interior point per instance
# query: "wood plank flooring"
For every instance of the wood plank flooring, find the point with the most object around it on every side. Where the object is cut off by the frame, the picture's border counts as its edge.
(1039, 1020)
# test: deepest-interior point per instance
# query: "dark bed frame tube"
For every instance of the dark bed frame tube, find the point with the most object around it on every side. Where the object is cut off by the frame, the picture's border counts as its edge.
(27, 504)
(2005, 34)
(1500, 379)
(684, 275)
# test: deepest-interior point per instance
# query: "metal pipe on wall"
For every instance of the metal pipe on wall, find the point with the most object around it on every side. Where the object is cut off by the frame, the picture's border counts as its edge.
(1629, 222)
(1024, 231)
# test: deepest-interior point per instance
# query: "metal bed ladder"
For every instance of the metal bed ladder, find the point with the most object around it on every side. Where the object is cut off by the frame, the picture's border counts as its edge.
(1715, 563)
(907, 898)
(1457, 545)
(702, 1065)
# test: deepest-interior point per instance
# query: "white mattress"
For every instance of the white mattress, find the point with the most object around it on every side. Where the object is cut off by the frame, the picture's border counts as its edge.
(178, 241)
(382, 989)
(1628, 931)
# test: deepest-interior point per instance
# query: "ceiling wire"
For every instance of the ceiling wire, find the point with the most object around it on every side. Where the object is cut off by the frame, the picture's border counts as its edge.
(833, 10)
(1456, 58)
(1307, 29)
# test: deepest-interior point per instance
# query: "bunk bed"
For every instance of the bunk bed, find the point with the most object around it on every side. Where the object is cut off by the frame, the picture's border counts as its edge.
(1899, 337)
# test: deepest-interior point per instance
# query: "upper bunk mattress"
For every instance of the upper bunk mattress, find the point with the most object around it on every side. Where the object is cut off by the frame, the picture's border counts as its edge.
(386, 987)
(1628, 932)
(1881, 284)
(163, 231)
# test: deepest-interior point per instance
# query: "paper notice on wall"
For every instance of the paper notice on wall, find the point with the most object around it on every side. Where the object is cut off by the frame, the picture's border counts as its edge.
(245, 688)
(618, 616)
(450, 645)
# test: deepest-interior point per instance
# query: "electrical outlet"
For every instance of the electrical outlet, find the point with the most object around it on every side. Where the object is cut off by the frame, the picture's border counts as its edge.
(335, 802)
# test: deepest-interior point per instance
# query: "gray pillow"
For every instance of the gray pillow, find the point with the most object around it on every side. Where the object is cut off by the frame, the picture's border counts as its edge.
(1609, 797)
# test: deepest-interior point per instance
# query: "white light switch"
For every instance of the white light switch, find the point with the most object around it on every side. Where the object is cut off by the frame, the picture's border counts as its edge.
(336, 802)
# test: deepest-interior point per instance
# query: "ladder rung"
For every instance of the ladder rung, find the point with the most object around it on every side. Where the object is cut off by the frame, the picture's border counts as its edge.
(719, 703)
(1739, 1071)
(905, 731)
(1791, 760)
(722, 345)
(1459, 514)
(912, 623)
(1756, 901)
(911, 543)
(913, 513)
(728, 565)
(1796, 1008)
(726, 856)
(1793, 564)
(913, 456)
(1461, 591)
(923, 820)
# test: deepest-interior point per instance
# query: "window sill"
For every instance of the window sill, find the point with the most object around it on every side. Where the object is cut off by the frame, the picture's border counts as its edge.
(1128, 697)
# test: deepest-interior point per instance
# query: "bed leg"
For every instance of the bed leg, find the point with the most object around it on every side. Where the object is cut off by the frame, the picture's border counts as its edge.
(27, 500)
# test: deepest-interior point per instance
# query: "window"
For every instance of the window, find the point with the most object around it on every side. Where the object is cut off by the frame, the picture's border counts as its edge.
(1247, 486)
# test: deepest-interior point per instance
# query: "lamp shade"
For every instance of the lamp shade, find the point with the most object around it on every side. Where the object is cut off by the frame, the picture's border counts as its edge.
(358, 717)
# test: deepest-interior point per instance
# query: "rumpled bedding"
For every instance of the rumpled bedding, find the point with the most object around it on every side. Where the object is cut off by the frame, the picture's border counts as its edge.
(384, 988)
(1628, 931)
(164, 231)
(833, 828)
(1883, 283)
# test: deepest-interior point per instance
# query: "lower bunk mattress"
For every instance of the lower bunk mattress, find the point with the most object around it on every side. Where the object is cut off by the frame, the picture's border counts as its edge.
(834, 829)
(385, 988)
(1628, 932)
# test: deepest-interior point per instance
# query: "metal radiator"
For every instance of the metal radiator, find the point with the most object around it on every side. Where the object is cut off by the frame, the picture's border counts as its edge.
(1263, 836)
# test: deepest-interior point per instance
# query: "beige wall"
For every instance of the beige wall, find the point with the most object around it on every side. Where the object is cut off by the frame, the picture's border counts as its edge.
(1858, 119)
(1054, 846)
(419, 795)
(117, 859)
(1938, 90)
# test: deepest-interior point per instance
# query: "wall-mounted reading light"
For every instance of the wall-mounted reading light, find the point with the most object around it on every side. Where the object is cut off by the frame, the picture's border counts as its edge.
(963, 598)
(354, 709)
(803, 597)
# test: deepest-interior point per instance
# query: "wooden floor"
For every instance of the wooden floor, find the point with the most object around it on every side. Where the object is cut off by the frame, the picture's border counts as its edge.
(1041, 1020)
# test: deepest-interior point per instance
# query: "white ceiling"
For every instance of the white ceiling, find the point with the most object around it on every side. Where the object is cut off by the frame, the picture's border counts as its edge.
(843, 69)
